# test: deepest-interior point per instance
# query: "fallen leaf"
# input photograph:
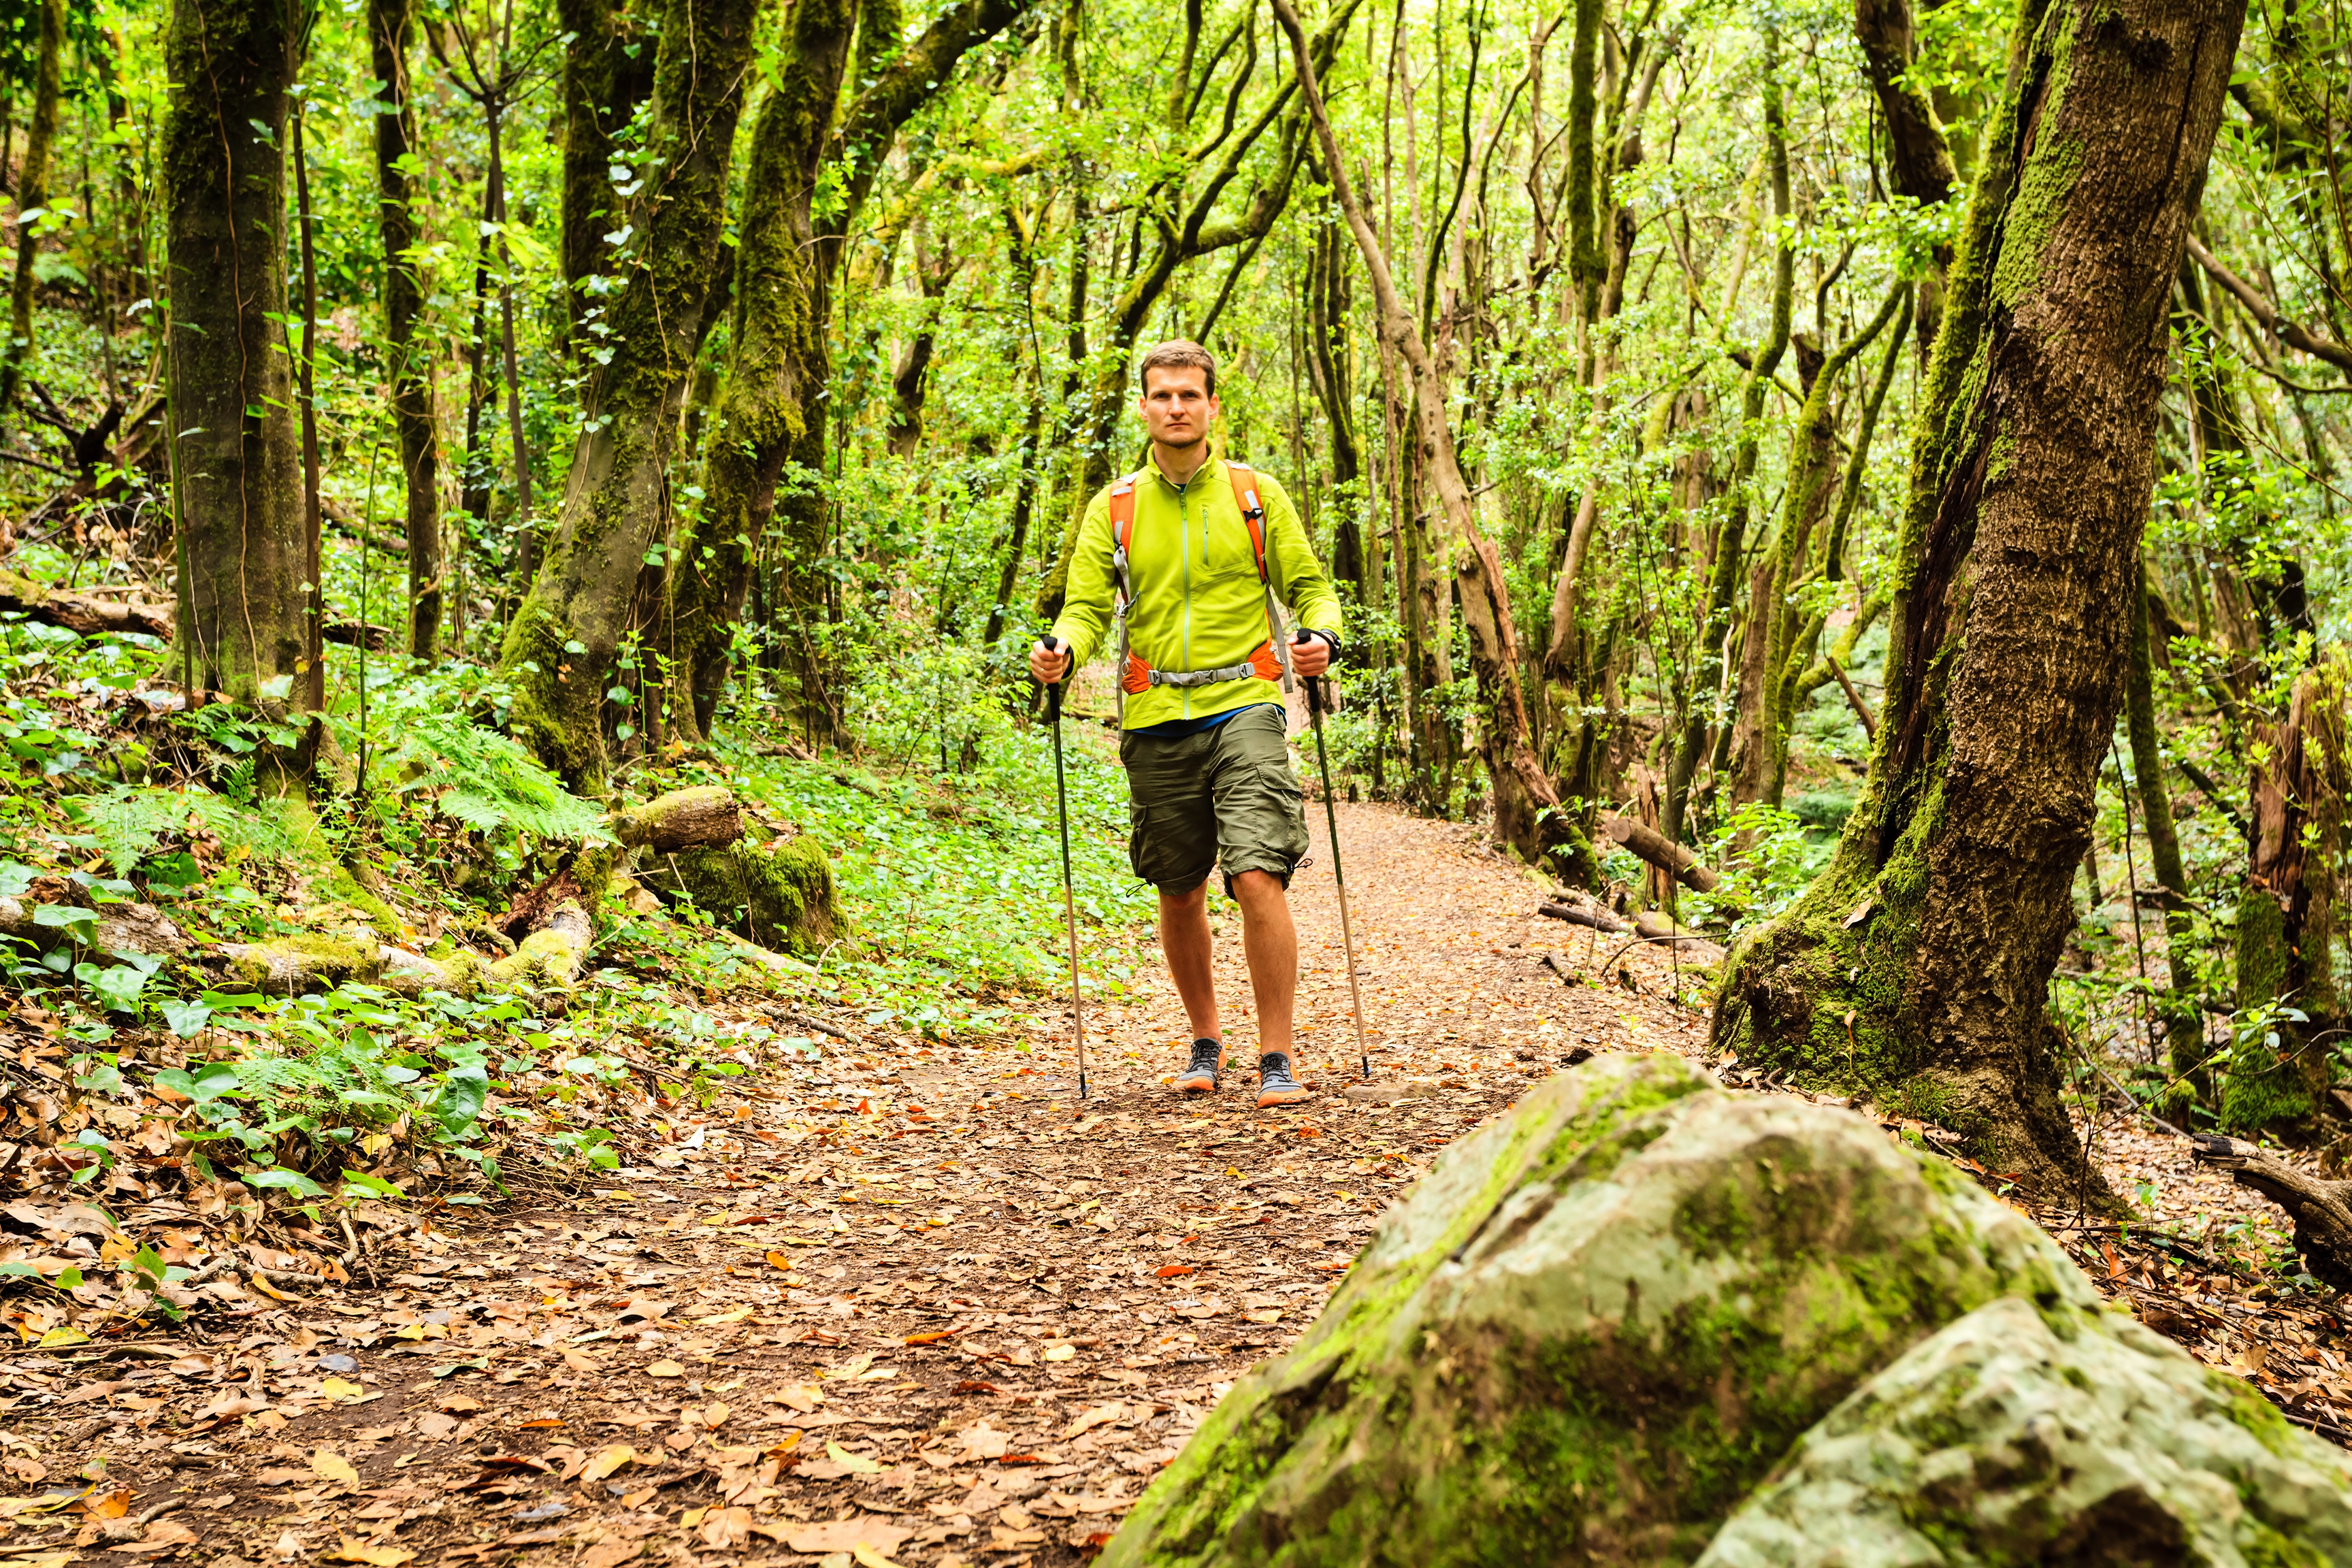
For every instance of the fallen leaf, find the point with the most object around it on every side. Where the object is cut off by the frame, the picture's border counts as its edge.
(1170, 1271)
(1101, 1415)
(1060, 1352)
(869, 1558)
(577, 1362)
(778, 1260)
(375, 1556)
(856, 1464)
(459, 1402)
(330, 1466)
(665, 1369)
(108, 1505)
(845, 1535)
(932, 1339)
(163, 1535)
(737, 1316)
(726, 1527)
(606, 1462)
(336, 1389)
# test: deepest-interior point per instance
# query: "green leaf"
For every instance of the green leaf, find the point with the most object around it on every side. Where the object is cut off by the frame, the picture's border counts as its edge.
(67, 1280)
(459, 1104)
(856, 1464)
(290, 1181)
(77, 923)
(375, 1185)
(187, 1020)
(148, 1264)
(15, 879)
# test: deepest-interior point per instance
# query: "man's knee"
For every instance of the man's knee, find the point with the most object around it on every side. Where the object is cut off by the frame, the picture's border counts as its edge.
(1258, 886)
(1177, 904)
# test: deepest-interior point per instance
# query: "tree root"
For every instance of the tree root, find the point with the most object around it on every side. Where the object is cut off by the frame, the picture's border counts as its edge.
(2322, 1210)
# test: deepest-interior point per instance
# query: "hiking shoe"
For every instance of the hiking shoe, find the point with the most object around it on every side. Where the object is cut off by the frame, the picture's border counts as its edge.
(1201, 1077)
(1274, 1084)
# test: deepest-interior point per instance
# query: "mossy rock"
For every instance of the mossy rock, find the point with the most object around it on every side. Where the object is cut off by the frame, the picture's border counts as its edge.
(780, 898)
(2011, 1437)
(1590, 1333)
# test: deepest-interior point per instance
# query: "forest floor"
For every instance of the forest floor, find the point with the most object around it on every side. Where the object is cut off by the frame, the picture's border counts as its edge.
(923, 1304)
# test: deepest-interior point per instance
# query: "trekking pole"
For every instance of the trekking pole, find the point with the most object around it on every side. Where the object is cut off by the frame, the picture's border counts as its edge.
(1069, 898)
(1316, 702)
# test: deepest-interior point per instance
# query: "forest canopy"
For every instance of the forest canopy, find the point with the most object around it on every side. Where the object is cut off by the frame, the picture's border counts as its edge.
(1863, 480)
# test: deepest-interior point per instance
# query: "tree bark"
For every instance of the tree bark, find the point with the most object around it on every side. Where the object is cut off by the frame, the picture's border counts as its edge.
(33, 196)
(240, 470)
(1938, 924)
(770, 411)
(608, 69)
(1724, 571)
(390, 39)
(561, 646)
(1527, 810)
(2286, 913)
(2184, 1025)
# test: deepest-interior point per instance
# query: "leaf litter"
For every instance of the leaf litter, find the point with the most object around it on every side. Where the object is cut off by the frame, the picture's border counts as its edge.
(896, 1302)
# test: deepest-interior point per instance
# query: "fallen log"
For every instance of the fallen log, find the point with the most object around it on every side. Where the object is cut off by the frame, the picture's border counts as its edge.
(1597, 920)
(83, 612)
(1661, 851)
(705, 818)
(2321, 1209)
(1656, 927)
(95, 612)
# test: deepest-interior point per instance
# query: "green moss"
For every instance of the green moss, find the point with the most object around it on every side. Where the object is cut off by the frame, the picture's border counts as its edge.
(544, 957)
(781, 897)
(301, 964)
(344, 888)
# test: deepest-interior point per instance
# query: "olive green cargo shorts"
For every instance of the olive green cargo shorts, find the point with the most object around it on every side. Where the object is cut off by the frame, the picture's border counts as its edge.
(1224, 796)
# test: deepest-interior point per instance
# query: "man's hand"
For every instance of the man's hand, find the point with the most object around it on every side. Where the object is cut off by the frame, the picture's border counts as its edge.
(1046, 666)
(1310, 656)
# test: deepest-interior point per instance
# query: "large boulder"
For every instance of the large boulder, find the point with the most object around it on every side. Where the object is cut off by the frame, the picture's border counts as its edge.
(2015, 1435)
(1591, 1333)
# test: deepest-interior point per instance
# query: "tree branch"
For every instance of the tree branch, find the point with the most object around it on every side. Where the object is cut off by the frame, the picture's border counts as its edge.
(2266, 315)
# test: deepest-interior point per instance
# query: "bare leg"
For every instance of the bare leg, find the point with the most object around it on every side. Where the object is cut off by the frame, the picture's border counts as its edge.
(1271, 945)
(1184, 939)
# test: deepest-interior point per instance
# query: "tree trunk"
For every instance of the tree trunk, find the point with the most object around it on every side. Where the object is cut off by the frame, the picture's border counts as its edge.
(560, 648)
(33, 196)
(604, 83)
(240, 466)
(2184, 1025)
(771, 411)
(1527, 810)
(1918, 162)
(1723, 575)
(1915, 968)
(412, 415)
(2286, 915)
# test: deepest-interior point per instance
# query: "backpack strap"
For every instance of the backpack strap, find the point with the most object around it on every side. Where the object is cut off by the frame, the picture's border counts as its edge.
(1134, 675)
(1253, 514)
(1245, 485)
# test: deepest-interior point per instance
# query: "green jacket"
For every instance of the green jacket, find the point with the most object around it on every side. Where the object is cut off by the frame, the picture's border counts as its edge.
(1198, 604)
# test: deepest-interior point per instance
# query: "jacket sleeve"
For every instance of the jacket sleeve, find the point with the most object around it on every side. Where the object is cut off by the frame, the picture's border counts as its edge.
(1298, 579)
(1086, 617)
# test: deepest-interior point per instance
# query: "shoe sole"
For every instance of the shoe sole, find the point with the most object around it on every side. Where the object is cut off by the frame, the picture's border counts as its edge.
(1202, 1086)
(1287, 1097)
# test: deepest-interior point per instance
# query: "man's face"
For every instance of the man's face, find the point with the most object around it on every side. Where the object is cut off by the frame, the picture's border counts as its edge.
(1177, 405)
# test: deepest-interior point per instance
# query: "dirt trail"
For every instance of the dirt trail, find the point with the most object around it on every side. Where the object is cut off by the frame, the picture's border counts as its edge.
(914, 1301)
(896, 1304)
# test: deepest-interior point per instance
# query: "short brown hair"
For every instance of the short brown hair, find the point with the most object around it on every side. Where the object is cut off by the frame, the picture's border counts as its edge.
(1181, 354)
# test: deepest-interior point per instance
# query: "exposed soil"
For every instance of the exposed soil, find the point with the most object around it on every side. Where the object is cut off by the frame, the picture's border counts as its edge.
(907, 1303)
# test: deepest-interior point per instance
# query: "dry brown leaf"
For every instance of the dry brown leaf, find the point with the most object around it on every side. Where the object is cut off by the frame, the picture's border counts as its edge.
(845, 1535)
(375, 1556)
(330, 1466)
(1100, 1416)
(609, 1460)
(665, 1369)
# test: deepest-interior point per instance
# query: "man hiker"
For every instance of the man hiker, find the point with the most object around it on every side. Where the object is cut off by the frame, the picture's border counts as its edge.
(1201, 555)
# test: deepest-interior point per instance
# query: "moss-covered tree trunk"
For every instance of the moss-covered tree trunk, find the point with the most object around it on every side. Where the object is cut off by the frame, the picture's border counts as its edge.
(2286, 913)
(1915, 969)
(390, 40)
(240, 464)
(561, 649)
(608, 69)
(771, 412)
(1918, 162)
(1527, 810)
(32, 197)
(2184, 1025)
(1693, 746)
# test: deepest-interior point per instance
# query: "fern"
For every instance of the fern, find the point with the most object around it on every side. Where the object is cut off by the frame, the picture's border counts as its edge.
(486, 781)
(127, 823)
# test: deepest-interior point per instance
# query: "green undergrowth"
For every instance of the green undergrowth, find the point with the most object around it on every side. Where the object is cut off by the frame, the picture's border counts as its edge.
(418, 824)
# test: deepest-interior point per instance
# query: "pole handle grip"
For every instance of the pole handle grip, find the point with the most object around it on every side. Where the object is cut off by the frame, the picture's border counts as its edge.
(1053, 688)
